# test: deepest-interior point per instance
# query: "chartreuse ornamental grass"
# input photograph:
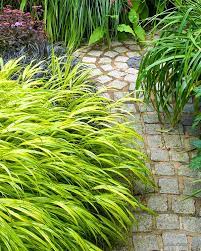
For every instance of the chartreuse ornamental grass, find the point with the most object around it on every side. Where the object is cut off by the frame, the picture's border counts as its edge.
(67, 171)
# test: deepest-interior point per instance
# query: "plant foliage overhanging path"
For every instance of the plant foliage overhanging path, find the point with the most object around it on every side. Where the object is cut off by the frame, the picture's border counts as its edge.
(66, 169)
(171, 69)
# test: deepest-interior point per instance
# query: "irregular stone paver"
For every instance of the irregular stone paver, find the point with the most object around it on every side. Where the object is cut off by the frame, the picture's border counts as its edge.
(177, 225)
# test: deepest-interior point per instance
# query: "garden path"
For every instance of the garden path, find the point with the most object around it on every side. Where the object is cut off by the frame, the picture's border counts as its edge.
(177, 225)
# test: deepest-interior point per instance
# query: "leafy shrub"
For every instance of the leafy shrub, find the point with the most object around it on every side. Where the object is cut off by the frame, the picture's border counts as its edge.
(19, 29)
(67, 171)
(171, 69)
(196, 161)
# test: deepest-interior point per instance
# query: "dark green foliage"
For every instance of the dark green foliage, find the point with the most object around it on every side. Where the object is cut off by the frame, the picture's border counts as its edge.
(75, 21)
(171, 70)
(196, 161)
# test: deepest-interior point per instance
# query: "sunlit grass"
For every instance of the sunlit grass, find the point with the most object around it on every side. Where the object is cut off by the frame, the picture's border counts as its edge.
(66, 169)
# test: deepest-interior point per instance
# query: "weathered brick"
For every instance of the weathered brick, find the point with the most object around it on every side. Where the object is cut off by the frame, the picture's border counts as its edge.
(174, 239)
(147, 242)
(151, 118)
(158, 154)
(164, 168)
(158, 203)
(168, 185)
(179, 156)
(184, 170)
(172, 141)
(154, 141)
(167, 221)
(145, 223)
(153, 128)
(190, 186)
(191, 224)
(176, 248)
(196, 243)
(182, 205)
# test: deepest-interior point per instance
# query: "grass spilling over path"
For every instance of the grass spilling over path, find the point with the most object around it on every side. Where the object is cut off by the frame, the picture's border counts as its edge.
(66, 171)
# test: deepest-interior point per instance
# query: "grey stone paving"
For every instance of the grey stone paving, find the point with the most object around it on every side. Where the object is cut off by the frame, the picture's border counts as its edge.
(177, 225)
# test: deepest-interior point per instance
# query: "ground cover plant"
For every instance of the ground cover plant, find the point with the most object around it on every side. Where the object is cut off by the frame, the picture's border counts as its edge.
(171, 70)
(67, 172)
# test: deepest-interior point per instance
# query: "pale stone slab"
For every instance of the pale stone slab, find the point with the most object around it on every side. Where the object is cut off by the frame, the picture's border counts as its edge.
(132, 71)
(95, 53)
(121, 66)
(120, 49)
(132, 86)
(89, 60)
(117, 84)
(92, 66)
(122, 59)
(111, 54)
(96, 72)
(105, 60)
(116, 74)
(104, 79)
(131, 54)
(107, 67)
(130, 78)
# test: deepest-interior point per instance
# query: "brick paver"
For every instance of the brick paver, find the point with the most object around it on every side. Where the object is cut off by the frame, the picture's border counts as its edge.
(177, 224)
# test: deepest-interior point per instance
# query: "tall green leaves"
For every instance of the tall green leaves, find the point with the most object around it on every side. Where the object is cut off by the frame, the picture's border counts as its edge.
(172, 68)
(74, 20)
(66, 166)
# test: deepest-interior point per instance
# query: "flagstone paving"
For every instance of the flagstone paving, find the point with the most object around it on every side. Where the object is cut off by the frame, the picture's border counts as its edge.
(177, 224)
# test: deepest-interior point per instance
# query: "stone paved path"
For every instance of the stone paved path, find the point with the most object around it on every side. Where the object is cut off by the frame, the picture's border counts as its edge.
(177, 225)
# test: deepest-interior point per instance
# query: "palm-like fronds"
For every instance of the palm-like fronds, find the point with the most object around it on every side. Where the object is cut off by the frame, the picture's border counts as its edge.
(172, 68)
(66, 168)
